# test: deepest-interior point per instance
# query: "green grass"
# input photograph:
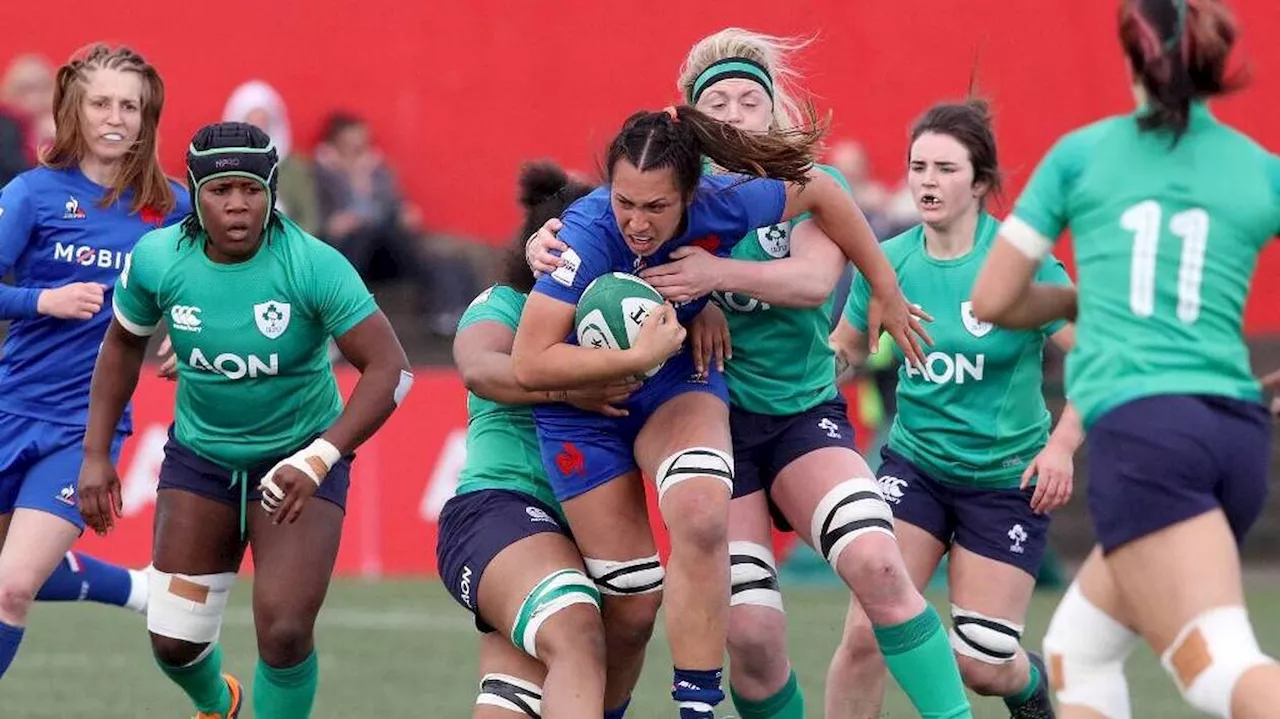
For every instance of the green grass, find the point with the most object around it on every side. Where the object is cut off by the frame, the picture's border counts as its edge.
(404, 649)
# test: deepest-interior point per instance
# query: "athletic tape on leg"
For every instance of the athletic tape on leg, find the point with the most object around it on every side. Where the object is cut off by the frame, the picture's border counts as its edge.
(1209, 656)
(511, 693)
(753, 576)
(557, 591)
(990, 640)
(694, 462)
(851, 509)
(1085, 651)
(627, 578)
(188, 606)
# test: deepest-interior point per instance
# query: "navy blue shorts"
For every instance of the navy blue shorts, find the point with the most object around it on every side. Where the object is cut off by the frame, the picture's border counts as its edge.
(184, 469)
(1157, 461)
(994, 523)
(764, 444)
(583, 450)
(475, 527)
(40, 466)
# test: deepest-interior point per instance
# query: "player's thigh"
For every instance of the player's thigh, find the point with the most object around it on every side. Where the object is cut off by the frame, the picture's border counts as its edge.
(1099, 587)
(687, 438)
(510, 681)
(803, 484)
(611, 521)
(983, 589)
(37, 541)
(293, 562)
(757, 622)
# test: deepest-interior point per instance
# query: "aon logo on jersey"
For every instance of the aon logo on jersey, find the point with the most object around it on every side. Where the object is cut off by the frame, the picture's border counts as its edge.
(234, 366)
(739, 303)
(941, 368)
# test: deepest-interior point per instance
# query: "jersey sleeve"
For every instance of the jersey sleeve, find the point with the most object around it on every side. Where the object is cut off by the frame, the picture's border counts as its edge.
(499, 304)
(740, 204)
(1040, 215)
(17, 224)
(339, 297)
(1052, 272)
(135, 300)
(855, 306)
(584, 260)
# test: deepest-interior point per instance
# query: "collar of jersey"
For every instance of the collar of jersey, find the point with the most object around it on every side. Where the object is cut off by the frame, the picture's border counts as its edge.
(982, 233)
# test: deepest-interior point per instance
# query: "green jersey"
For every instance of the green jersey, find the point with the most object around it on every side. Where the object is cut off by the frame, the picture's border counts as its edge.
(502, 444)
(782, 363)
(976, 414)
(1166, 240)
(254, 377)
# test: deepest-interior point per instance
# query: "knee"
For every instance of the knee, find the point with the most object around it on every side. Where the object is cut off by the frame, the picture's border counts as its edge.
(629, 621)
(983, 678)
(284, 639)
(16, 595)
(876, 575)
(575, 634)
(175, 652)
(757, 643)
(698, 519)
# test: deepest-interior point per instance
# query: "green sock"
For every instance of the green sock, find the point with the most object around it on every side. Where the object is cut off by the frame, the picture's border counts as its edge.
(1033, 683)
(202, 681)
(286, 693)
(788, 703)
(919, 657)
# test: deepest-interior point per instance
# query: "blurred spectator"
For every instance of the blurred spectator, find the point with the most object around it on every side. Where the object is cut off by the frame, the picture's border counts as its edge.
(257, 103)
(890, 212)
(362, 213)
(26, 114)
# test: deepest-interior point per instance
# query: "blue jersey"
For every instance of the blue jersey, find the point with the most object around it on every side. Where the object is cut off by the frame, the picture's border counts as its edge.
(53, 232)
(725, 208)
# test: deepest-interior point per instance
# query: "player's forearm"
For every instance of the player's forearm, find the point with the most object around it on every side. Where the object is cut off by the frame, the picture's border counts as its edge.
(1037, 306)
(492, 376)
(789, 282)
(564, 366)
(19, 303)
(381, 387)
(845, 225)
(115, 377)
(1069, 434)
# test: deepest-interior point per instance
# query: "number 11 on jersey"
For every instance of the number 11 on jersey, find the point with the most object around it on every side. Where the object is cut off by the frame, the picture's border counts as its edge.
(1144, 220)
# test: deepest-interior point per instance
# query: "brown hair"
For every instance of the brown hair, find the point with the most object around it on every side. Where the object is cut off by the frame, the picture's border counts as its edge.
(1178, 50)
(140, 170)
(679, 138)
(968, 123)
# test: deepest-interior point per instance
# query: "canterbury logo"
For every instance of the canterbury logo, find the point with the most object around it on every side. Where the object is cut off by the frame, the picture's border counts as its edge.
(185, 317)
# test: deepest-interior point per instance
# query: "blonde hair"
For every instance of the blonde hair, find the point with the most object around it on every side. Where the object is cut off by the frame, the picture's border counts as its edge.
(140, 170)
(770, 51)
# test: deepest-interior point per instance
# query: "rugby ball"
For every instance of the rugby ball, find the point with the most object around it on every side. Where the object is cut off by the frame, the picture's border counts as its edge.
(611, 310)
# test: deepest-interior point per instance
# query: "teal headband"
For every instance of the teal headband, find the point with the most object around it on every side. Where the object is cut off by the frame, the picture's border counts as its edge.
(1180, 25)
(730, 68)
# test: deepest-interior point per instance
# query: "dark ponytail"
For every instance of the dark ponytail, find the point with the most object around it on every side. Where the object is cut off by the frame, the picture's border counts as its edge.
(1178, 50)
(546, 191)
(679, 139)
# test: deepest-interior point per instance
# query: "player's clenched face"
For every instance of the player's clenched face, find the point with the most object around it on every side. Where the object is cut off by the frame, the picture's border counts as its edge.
(111, 113)
(940, 175)
(647, 205)
(234, 210)
(738, 102)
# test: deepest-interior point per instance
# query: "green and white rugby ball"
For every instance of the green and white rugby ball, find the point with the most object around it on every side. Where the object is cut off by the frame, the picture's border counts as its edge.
(611, 310)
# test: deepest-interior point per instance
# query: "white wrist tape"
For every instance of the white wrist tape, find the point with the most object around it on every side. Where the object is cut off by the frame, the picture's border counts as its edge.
(315, 461)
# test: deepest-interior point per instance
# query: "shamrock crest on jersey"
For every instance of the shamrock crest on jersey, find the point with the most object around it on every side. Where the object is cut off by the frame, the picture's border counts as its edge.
(272, 318)
(976, 327)
(775, 240)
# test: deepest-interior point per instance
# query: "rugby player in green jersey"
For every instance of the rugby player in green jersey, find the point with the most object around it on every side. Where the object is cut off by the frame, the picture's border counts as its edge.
(261, 446)
(1169, 208)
